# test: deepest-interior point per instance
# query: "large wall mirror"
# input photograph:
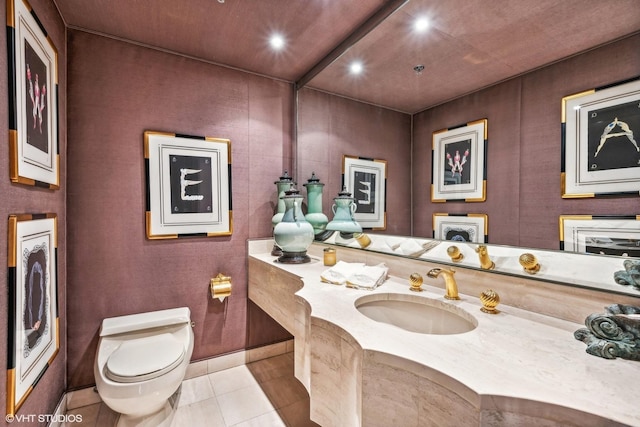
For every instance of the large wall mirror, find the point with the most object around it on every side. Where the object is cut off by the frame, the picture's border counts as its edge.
(509, 64)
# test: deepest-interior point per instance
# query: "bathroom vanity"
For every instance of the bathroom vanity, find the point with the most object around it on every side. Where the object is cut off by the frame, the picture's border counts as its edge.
(521, 366)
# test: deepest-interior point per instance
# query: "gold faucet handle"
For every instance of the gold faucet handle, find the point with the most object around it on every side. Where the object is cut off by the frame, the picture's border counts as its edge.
(490, 300)
(485, 260)
(415, 280)
(455, 254)
(529, 263)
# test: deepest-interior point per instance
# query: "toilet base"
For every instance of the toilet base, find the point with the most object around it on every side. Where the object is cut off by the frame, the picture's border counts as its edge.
(163, 417)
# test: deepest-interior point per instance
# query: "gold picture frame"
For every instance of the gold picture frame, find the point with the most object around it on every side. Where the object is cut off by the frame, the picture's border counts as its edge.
(366, 180)
(601, 142)
(459, 163)
(34, 336)
(188, 186)
(33, 104)
(469, 227)
(617, 235)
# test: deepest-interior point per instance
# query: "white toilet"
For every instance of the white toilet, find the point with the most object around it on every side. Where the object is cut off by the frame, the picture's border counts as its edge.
(141, 362)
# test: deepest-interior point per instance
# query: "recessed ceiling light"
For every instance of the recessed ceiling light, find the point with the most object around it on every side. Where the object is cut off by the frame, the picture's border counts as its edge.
(421, 24)
(276, 41)
(356, 67)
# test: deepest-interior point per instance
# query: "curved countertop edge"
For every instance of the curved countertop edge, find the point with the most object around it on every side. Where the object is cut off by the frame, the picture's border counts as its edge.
(477, 373)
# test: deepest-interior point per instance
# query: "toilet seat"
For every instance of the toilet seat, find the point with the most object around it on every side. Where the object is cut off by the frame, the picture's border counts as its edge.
(145, 358)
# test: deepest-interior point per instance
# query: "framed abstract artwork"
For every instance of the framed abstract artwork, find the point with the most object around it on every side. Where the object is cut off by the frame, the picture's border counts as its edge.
(601, 141)
(366, 180)
(604, 235)
(33, 105)
(188, 186)
(34, 336)
(459, 163)
(461, 227)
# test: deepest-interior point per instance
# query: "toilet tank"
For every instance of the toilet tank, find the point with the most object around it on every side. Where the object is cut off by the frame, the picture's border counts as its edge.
(140, 321)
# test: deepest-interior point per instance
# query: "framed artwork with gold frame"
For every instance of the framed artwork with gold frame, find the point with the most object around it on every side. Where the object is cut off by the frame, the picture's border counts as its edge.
(601, 141)
(459, 163)
(188, 186)
(366, 180)
(601, 234)
(33, 327)
(34, 157)
(461, 227)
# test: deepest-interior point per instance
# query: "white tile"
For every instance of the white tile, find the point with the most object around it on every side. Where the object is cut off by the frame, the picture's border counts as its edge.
(231, 379)
(243, 404)
(225, 362)
(270, 419)
(195, 390)
(202, 413)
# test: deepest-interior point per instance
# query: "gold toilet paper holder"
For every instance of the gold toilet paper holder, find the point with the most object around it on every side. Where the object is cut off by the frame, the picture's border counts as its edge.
(220, 287)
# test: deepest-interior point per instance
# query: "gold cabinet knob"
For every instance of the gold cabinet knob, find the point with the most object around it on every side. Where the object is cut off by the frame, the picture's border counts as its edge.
(490, 300)
(529, 263)
(415, 280)
(455, 254)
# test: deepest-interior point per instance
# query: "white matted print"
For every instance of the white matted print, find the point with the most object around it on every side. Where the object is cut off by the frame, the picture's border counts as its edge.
(461, 227)
(33, 105)
(601, 141)
(459, 163)
(33, 327)
(366, 180)
(188, 186)
(605, 235)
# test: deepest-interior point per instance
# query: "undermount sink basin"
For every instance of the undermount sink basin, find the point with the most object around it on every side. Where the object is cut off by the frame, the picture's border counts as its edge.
(416, 314)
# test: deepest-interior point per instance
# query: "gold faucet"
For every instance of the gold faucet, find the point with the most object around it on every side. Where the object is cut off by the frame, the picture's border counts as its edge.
(485, 261)
(449, 281)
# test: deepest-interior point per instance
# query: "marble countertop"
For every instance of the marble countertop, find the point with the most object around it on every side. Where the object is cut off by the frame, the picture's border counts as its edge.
(514, 353)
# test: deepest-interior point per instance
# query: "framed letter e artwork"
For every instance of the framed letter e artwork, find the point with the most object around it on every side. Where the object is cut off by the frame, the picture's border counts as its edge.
(33, 105)
(188, 186)
(459, 165)
(366, 180)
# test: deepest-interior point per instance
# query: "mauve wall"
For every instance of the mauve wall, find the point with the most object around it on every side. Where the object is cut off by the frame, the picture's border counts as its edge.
(17, 199)
(330, 127)
(116, 92)
(523, 171)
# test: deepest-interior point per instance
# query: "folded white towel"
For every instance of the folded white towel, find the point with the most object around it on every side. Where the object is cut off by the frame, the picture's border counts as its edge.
(339, 273)
(409, 247)
(368, 277)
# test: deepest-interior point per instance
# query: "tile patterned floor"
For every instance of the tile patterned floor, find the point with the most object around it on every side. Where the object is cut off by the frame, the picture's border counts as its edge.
(260, 394)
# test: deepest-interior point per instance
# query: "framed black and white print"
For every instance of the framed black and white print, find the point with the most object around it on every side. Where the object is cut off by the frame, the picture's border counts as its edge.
(34, 337)
(601, 234)
(461, 227)
(601, 141)
(188, 186)
(33, 104)
(366, 180)
(459, 163)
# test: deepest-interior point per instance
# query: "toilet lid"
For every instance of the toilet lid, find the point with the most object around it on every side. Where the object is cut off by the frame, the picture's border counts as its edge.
(144, 358)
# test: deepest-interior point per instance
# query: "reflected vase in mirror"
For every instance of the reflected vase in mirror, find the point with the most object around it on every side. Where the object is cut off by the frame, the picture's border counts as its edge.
(294, 234)
(314, 215)
(283, 184)
(343, 221)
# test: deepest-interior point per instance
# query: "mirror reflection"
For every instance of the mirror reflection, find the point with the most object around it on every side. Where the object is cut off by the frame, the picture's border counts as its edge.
(608, 273)
(370, 117)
